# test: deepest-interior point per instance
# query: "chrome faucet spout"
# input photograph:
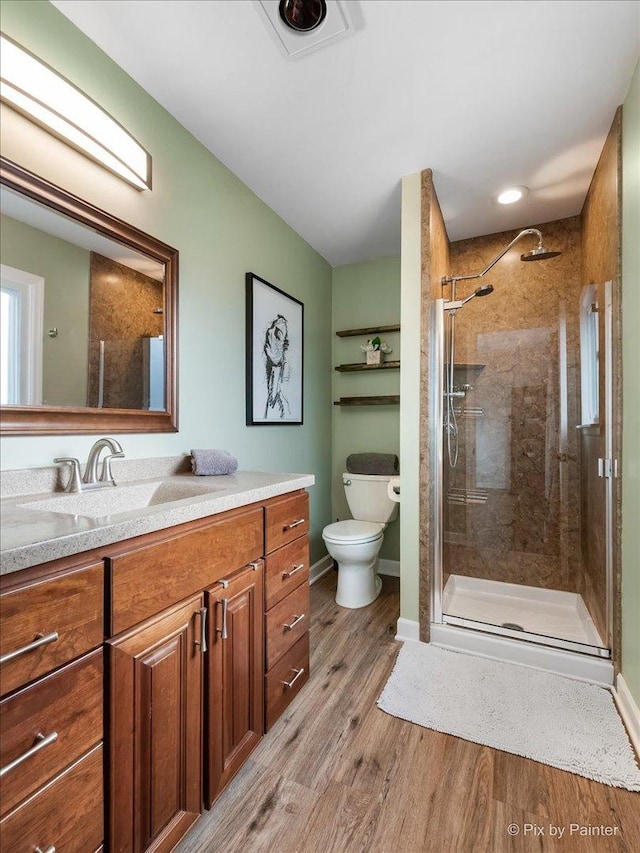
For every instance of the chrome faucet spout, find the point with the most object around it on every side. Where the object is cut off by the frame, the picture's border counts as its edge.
(91, 471)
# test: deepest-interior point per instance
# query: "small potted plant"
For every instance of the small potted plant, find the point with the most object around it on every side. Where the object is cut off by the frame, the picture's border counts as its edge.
(375, 350)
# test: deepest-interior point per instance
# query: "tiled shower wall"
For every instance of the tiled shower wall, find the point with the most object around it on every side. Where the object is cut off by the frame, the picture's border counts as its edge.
(512, 503)
(122, 305)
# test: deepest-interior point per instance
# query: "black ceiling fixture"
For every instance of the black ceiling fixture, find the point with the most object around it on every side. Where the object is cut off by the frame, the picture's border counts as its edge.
(303, 15)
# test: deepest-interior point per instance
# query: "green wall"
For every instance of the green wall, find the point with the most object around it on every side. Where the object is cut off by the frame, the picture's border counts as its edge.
(65, 269)
(365, 295)
(631, 397)
(222, 230)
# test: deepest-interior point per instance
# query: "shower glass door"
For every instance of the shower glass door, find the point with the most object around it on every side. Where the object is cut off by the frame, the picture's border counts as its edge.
(524, 508)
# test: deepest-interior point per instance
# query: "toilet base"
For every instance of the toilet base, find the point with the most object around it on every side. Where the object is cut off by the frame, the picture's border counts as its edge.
(358, 586)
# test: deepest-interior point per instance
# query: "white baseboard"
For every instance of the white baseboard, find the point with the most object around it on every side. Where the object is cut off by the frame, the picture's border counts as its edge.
(320, 568)
(629, 711)
(407, 629)
(391, 568)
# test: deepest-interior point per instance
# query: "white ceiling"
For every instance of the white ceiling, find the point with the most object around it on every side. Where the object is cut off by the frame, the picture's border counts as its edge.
(487, 94)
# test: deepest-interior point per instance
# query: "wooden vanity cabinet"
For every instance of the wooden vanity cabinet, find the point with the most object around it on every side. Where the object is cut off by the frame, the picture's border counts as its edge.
(287, 614)
(51, 713)
(234, 708)
(155, 710)
(191, 682)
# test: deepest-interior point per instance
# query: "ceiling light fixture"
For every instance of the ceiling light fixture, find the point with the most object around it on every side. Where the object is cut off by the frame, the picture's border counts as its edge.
(40, 93)
(512, 194)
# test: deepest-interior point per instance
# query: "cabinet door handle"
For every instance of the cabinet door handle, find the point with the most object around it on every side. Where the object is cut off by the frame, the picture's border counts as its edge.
(202, 642)
(41, 640)
(223, 631)
(293, 571)
(293, 524)
(49, 849)
(288, 626)
(41, 742)
(298, 674)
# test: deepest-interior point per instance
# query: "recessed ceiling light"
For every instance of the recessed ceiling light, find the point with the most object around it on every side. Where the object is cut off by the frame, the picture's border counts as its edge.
(512, 194)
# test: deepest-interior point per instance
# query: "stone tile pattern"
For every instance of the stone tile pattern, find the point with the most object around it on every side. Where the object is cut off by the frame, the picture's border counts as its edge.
(525, 333)
(435, 265)
(122, 303)
(601, 262)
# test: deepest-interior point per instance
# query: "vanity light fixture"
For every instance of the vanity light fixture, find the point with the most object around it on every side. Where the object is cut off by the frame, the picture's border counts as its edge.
(42, 95)
(512, 194)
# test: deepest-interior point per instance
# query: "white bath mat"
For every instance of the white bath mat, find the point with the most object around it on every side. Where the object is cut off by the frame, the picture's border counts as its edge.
(549, 718)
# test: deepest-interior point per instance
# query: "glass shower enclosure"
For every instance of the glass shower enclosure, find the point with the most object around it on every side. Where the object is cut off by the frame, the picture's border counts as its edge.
(522, 412)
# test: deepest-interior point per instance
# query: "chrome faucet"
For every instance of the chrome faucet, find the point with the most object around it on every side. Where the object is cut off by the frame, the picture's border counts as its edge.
(90, 479)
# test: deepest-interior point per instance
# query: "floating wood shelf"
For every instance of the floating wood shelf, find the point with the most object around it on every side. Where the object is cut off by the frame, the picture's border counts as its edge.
(386, 365)
(349, 333)
(389, 400)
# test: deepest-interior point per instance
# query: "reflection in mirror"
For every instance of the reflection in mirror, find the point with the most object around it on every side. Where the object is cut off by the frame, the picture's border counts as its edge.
(82, 318)
(88, 316)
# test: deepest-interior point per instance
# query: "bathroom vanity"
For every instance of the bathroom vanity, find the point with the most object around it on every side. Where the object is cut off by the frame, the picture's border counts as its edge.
(139, 674)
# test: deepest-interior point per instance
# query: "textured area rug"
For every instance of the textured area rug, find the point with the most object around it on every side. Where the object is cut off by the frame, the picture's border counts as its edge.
(549, 718)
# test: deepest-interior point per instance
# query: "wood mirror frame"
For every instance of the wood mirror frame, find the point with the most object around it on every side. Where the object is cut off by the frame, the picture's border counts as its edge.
(57, 420)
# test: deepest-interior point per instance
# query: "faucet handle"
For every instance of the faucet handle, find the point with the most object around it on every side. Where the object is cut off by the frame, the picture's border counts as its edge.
(75, 483)
(106, 475)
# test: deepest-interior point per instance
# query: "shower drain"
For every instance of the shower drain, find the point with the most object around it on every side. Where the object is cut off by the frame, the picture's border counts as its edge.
(512, 625)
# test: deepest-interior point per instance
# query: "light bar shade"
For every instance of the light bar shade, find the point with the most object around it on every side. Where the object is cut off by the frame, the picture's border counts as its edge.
(40, 93)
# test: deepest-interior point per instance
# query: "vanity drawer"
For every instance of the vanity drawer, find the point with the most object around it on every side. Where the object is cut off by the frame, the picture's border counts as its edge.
(285, 680)
(286, 569)
(291, 611)
(147, 579)
(286, 520)
(66, 814)
(65, 612)
(68, 704)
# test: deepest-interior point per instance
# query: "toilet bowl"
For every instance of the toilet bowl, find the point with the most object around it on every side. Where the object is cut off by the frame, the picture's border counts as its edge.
(355, 543)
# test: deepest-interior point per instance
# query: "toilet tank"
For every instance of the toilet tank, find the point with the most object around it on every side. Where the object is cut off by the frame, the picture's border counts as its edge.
(367, 497)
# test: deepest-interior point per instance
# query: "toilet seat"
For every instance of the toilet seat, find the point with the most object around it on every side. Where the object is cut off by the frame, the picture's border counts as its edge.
(352, 530)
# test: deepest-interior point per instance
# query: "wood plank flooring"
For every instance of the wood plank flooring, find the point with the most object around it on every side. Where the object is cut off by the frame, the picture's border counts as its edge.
(337, 774)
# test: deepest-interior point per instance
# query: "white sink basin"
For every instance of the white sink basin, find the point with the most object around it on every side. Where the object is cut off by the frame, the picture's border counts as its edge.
(114, 500)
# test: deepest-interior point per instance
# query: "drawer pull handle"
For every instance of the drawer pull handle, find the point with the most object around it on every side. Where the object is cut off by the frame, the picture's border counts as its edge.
(41, 640)
(49, 849)
(255, 566)
(288, 626)
(223, 631)
(298, 674)
(41, 742)
(293, 524)
(293, 571)
(202, 642)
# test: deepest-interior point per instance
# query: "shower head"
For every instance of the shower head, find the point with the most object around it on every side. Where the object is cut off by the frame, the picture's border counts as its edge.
(484, 291)
(539, 254)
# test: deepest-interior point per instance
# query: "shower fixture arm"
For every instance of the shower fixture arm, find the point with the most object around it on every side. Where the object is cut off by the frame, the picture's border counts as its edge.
(450, 279)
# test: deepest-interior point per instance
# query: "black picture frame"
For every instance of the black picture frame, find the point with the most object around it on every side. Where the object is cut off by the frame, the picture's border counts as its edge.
(274, 355)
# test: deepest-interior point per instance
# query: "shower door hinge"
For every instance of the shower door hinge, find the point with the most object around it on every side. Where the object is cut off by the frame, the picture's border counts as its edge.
(608, 468)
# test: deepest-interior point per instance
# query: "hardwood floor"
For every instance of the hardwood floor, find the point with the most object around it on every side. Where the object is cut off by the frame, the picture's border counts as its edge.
(337, 774)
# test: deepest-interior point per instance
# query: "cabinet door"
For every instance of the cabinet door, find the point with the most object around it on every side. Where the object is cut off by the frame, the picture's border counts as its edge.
(156, 732)
(235, 675)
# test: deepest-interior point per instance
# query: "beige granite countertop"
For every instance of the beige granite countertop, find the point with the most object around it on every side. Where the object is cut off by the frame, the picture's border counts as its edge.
(47, 530)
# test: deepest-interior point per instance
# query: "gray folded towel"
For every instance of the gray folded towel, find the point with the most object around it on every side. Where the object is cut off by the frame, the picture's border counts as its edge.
(213, 462)
(373, 463)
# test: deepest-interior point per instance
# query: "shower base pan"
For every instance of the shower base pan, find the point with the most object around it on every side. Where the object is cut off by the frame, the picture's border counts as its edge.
(478, 601)
(527, 612)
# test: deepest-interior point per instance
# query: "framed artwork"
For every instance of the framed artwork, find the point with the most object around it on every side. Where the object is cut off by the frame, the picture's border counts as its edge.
(275, 337)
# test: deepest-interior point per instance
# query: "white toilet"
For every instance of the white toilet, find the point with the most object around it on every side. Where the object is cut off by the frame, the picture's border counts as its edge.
(355, 543)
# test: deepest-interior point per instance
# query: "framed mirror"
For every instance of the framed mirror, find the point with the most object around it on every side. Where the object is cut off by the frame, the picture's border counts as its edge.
(88, 316)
